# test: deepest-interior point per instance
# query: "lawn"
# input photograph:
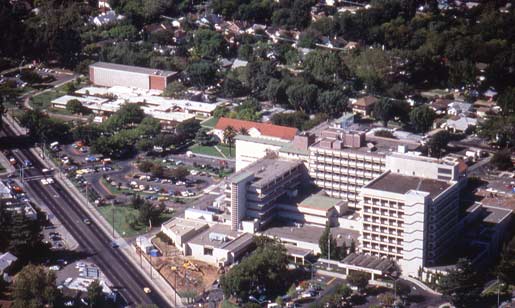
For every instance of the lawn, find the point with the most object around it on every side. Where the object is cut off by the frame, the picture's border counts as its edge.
(123, 215)
(211, 151)
(210, 123)
(205, 150)
(225, 150)
(43, 100)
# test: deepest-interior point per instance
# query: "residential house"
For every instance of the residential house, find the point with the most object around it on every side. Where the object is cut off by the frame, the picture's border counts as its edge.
(6, 261)
(364, 105)
(459, 108)
(460, 124)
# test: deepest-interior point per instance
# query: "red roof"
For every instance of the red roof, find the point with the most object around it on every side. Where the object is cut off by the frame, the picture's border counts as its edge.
(271, 130)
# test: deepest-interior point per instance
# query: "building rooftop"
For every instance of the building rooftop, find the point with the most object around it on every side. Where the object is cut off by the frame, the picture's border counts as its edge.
(275, 142)
(320, 202)
(401, 184)
(133, 69)
(270, 130)
(370, 262)
(181, 226)
(267, 170)
(308, 233)
(222, 237)
(491, 214)
(290, 148)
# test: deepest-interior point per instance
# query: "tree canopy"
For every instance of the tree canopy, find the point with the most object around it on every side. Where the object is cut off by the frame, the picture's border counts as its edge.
(265, 268)
(34, 286)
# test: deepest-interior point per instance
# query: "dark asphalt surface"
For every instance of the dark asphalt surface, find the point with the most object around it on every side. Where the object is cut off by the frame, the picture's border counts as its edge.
(92, 240)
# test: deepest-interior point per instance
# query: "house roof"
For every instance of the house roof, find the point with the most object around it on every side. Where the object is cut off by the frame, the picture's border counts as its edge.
(6, 260)
(270, 130)
(366, 101)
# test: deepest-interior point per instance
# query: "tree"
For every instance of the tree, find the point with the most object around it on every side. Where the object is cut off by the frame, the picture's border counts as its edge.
(502, 160)
(358, 279)
(462, 285)
(202, 137)
(208, 43)
(86, 132)
(333, 102)
(42, 127)
(303, 96)
(384, 110)
(145, 166)
(179, 173)
(505, 270)
(69, 88)
(264, 268)
(175, 90)
(229, 135)
(149, 213)
(326, 242)
(326, 66)
(507, 101)
(34, 286)
(422, 118)
(74, 106)
(201, 74)
(157, 170)
(438, 143)
(387, 299)
(96, 296)
(188, 128)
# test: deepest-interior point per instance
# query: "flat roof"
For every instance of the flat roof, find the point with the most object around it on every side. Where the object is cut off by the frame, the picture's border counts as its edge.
(491, 214)
(235, 240)
(290, 148)
(181, 226)
(278, 143)
(320, 202)
(297, 251)
(368, 261)
(308, 233)
(401, 184)
(133, 69)
(265, 171)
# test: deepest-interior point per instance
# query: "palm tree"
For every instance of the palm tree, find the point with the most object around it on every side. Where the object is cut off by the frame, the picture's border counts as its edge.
(229, 134)
(243, 131)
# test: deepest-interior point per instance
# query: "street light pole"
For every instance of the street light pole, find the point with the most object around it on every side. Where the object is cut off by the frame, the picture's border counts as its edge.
(112, 210)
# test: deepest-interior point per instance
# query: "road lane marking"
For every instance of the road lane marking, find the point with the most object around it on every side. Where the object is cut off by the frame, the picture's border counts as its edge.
(331, 281)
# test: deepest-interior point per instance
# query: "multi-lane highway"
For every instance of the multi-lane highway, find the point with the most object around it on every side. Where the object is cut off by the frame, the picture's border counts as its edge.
(91, 238)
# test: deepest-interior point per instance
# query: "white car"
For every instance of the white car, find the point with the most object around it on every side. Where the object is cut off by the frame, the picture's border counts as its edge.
(193, 172)
(44, 181)
(54, 268)
(50, 180)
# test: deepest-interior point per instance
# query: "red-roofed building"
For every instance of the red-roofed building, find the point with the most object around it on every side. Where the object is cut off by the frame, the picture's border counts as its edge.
(255, 129)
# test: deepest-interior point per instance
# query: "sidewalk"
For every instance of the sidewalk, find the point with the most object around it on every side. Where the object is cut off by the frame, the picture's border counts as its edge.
(158, 282)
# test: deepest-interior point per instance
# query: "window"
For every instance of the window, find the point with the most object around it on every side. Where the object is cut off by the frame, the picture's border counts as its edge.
(208, 251)
(444, 171)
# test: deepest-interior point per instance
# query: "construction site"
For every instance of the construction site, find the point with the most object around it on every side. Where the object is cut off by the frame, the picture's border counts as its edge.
(188, 276)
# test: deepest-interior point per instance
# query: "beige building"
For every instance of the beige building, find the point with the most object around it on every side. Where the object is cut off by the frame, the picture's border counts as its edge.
(251, 193)
(181, 230)
(410, 219)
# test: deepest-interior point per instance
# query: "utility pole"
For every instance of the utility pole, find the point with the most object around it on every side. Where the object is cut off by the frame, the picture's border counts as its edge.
(329, 250)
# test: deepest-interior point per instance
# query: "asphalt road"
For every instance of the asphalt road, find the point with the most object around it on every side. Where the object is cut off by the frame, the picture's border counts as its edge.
(92, 240)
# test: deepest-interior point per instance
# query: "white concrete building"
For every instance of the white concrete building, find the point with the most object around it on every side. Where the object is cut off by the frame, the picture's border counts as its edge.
(410, 219)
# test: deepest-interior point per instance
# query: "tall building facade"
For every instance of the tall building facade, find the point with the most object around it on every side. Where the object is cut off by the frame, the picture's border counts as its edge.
(413, 220)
